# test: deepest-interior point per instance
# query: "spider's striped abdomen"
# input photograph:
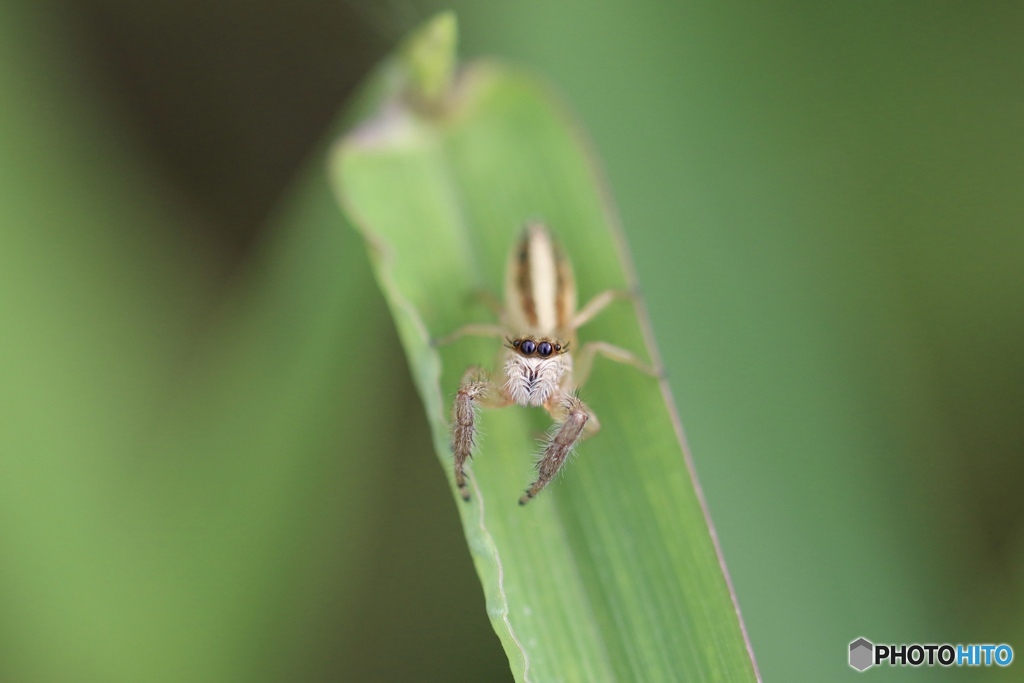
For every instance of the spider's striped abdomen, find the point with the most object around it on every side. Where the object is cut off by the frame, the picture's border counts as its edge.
(540, 290)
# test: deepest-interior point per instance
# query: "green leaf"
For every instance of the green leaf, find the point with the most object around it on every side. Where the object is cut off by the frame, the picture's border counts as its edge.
(612, 573)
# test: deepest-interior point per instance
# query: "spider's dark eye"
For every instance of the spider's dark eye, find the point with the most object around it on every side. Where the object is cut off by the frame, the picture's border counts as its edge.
(544, 349)
(527, 347)
(517, 342)
(558, 347)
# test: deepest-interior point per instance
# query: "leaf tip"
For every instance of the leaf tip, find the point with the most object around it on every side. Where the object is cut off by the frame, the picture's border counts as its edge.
(430, 56)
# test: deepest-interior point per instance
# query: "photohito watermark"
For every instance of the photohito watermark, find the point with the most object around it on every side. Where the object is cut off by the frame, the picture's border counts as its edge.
(864, 654)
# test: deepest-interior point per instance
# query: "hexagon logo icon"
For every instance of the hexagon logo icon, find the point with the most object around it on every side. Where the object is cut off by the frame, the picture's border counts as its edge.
(861, 651)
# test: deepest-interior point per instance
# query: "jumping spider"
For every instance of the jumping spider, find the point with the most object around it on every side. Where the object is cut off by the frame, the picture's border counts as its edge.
(540, 319)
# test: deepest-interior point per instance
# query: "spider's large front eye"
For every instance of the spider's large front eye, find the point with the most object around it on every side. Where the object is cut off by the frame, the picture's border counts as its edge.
(544, 349)
(527, 347)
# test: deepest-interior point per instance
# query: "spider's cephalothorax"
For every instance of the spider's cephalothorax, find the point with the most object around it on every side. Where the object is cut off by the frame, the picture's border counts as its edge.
(539, 323)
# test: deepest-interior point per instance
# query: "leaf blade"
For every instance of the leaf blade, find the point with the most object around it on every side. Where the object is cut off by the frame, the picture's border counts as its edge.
(612, 573)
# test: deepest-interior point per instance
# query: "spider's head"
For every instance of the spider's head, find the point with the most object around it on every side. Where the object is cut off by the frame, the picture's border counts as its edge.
(534, 369)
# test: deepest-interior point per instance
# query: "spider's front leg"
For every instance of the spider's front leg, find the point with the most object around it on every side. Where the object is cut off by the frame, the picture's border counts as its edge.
(574, 420)
(475, 390)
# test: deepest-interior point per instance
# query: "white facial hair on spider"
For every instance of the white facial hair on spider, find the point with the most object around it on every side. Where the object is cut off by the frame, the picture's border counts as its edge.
(532, 381)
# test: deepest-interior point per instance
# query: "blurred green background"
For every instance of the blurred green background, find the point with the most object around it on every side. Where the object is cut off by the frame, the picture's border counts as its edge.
(212, 462)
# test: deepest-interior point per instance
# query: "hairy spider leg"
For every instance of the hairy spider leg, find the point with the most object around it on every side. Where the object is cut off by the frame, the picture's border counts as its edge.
(590, 351)
(574, 421)
(489, 330)
(598, 304)
(476, 390)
